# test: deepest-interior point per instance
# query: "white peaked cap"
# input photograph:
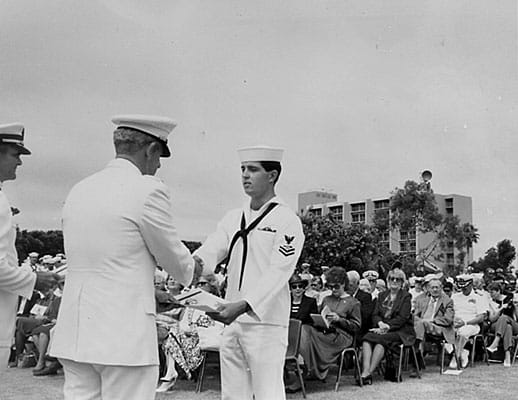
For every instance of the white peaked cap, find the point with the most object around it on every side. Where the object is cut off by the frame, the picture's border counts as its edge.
(156, 126)
(260, 153)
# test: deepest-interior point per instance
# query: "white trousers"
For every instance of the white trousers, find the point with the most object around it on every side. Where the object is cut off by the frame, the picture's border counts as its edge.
(252, 361)
(4, 357)
(106, 382)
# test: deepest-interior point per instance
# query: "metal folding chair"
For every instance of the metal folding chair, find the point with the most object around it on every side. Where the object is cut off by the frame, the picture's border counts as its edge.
(292, 352)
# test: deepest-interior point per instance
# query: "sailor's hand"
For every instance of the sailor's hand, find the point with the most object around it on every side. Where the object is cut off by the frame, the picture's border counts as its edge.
(198, 270)
(46, 281)
(228, 312)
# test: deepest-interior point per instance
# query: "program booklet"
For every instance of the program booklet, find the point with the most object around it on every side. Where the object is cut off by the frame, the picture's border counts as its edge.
(200, 300)
(320, 320)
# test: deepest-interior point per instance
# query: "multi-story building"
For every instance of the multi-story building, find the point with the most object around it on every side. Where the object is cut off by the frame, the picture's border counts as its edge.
(409, 243)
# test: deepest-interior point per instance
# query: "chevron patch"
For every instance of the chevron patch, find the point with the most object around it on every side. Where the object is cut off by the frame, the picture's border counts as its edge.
(287, 250)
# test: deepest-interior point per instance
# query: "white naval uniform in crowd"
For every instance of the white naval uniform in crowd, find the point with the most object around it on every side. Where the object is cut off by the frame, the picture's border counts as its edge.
(254, 346)
(117, 227)
(14, 281)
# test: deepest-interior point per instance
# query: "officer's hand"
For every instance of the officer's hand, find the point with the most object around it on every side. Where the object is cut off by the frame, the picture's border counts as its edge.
(228, 312)
(46, 280)
(198, 270)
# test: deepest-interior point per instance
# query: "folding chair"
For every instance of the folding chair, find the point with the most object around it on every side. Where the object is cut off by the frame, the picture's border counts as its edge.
(441, 343)
(201, 374)
(403, 352)
(473, 341)
(351, 350)
(515, 353)
(292, 352)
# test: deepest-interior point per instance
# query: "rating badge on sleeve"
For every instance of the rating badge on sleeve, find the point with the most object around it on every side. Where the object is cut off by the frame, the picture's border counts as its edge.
(287, 249)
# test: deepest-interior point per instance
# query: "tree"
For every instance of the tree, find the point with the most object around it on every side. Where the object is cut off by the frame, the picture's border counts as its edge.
(332, 243)
(500, 256)
(414, 208)
(42, 242)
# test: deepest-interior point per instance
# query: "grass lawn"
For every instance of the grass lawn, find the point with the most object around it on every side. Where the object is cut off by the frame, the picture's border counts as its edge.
(480, 382)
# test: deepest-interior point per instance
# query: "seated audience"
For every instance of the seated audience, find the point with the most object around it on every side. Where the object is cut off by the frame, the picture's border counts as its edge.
(305, 272)
(365, 286)
(41, 336)
(505, 326)
(184, 335)
(43, 312)
(302, 306)
(365, 299)
(393, 325)
(381, 286)
(316, 290)
(447, 288)
(470, 312)
(434, 315)
(372, 276)
(321, 347)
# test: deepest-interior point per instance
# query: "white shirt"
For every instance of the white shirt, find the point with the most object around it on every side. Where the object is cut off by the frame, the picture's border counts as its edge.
(274, 247)
(468, 307)
(14, 281)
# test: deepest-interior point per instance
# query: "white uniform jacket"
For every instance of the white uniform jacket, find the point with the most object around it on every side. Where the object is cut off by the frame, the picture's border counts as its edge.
(117, 227)
(14, 281)
(274, 247)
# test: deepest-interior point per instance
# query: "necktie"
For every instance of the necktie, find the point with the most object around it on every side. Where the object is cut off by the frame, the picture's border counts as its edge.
(243, 234)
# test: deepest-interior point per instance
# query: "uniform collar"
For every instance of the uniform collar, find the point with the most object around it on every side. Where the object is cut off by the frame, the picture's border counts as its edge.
(123, 163)
(246, 206)
(274, 199)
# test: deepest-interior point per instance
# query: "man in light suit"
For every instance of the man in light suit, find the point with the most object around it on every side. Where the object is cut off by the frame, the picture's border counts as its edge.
(118, 227)
(14, 281)
(261, 242)
(434, 314)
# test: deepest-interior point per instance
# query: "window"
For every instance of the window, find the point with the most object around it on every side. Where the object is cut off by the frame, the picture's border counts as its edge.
(317, 212)
(407, 235)
(337, 212)
(449, 206)
(385, 239)
(357, 207)
(381, 204)
(358, 213)
(407, 242)
(450, 259)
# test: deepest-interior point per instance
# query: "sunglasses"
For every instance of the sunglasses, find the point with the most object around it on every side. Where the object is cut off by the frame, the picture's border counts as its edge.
(394, 279)
(297, 286)
(335, 286)
(202, 283)
(315, 285)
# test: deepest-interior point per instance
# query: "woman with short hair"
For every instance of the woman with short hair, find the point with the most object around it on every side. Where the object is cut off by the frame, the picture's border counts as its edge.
(321, 347)
(393, 325)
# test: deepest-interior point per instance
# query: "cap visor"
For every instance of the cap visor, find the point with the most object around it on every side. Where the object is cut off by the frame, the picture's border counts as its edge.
(165, 151)
(23, 150)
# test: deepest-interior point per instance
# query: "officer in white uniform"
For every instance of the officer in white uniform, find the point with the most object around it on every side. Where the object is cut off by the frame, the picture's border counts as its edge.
(261, 242)
(14, 281)
(118, 227)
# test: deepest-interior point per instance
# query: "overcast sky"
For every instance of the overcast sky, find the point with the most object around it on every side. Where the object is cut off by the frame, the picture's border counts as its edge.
(363, 95)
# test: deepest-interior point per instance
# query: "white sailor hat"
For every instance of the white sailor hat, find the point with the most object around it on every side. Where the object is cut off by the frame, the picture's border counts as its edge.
(156, 126)
(13, 134)
(33, 254)
(260, 153)
(464, 280)
(370, 274)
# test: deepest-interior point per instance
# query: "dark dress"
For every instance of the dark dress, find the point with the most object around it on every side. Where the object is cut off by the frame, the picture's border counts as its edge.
(321, 349)
(366, 308)
(306, 307)
(398, 316)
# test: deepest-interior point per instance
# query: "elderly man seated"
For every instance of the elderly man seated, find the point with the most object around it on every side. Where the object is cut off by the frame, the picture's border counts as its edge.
(470, 311)
(434, 314)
